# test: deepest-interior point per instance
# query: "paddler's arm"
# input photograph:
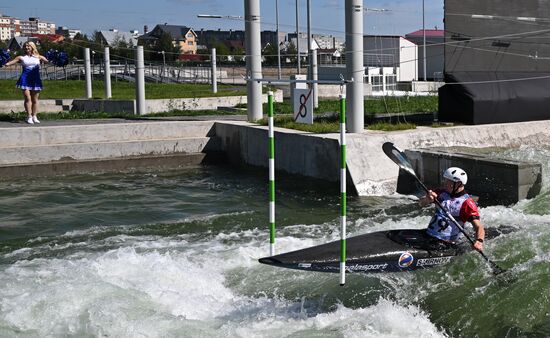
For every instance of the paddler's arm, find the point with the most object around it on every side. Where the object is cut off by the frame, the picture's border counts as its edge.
(428, 199)
(480, 234)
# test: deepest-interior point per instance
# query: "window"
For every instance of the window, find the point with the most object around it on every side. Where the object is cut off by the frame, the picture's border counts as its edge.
(189, 35)
(190, 43)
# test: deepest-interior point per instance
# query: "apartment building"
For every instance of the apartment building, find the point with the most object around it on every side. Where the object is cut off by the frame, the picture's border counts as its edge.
(9, 27)
(36, 26)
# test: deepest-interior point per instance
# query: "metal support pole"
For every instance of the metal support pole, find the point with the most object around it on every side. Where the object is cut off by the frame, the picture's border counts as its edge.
(278, 41)
(298, 36)
(315, 78)
(214, 71)
(354, 64)
(107, 73)
(343, 199)
(163, 66)
(88, 73)
(424, 38)
(253, 59)
(310, 62)
(271, 154)
(140, 82)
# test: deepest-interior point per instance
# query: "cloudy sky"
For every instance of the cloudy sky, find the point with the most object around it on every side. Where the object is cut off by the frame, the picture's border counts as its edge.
(401, 17)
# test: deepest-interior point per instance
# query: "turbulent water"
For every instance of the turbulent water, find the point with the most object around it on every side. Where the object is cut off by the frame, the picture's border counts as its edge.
(174, 254)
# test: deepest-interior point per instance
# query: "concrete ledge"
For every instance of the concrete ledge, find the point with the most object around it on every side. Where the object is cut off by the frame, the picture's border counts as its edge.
(296, 152)
(106, 150)
(164, 105)
(28, 136)
(67, 167)
(495, 181)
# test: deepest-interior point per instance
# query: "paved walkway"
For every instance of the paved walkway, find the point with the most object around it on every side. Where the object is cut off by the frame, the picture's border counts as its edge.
(74, 122)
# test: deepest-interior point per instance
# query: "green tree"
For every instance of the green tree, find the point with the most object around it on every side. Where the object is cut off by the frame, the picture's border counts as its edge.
(270, 54)
(162, 42)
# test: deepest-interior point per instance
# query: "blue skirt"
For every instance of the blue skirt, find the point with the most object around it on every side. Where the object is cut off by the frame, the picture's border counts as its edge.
(30, 79)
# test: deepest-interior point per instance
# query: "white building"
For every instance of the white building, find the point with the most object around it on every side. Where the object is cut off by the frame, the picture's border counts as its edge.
(9, 27)
(390, 51)
(36, 26)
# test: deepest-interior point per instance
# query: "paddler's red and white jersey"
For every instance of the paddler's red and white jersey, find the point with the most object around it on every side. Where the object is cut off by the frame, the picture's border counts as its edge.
(462, 207)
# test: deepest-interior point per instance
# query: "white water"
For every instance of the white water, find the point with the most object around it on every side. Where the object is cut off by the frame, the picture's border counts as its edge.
(131, 281)
(153, 286)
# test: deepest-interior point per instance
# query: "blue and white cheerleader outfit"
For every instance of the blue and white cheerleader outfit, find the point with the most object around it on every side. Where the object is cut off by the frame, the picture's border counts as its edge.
(30, 77)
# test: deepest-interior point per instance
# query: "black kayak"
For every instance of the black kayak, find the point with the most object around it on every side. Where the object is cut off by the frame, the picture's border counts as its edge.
(381, 251)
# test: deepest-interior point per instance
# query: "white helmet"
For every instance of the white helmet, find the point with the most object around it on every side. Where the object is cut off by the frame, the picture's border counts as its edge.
(456, 175)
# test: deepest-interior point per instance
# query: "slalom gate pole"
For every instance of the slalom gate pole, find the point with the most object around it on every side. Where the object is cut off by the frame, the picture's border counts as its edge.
(342, 189)
(271, 174)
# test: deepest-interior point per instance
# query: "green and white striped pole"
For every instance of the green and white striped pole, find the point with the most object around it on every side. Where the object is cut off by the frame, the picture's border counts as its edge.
(342, 189)
(271, 174)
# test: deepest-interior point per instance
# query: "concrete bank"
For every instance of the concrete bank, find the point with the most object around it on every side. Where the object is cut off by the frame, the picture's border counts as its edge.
(370, 171)
(129, 106)
(307, 154)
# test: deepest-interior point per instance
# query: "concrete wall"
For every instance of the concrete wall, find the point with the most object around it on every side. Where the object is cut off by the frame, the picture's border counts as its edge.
(370, 171)
(163, 105)
(296, 152)
(494, 181)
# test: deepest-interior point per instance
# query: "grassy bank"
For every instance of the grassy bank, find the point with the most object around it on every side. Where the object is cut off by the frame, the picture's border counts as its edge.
(21, 116)
(332, 125)
(120, 90)
(373, 106)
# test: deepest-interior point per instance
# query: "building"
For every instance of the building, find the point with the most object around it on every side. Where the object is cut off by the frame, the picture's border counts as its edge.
(230, 37)
(112, 37)
(391, 54)
(183, 37)
(16, 43)
(303, 42)
(435, 52)
(9, 27)
(36, 26)
(67, 32)
(328, 42)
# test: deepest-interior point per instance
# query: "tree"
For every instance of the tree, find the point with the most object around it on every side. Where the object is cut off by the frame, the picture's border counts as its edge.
(162, 42)
(270, 54)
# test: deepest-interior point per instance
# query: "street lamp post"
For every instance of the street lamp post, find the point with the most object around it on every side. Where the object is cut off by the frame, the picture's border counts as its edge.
(278, 41)
(163, 66)
(298, 36)
(424, 38)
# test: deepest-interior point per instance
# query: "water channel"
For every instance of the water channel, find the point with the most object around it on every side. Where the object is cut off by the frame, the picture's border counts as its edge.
(174, 254)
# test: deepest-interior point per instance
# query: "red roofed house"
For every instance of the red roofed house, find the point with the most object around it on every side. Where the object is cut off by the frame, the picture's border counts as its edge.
(435, 52)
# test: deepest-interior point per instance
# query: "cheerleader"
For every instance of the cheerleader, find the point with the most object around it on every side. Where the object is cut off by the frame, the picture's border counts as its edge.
(29, 81)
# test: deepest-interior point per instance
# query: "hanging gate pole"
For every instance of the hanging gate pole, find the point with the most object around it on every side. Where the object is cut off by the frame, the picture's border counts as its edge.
(342, 189)
(271, 174)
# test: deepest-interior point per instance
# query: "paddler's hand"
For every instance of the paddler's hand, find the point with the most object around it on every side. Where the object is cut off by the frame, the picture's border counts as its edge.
(428, 199)
(478, 245)
(431, 196)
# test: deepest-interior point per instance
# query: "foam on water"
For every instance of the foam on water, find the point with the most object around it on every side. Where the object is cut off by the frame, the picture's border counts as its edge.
(196, 274)
(154, 287)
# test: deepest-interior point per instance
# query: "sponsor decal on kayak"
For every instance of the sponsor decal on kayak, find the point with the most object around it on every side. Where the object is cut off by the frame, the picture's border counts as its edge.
(405, 260)
(304, 265)
(433, 261)
(368, 267)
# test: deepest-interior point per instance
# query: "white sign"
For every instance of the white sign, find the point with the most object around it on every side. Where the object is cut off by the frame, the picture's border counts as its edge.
(303, 106)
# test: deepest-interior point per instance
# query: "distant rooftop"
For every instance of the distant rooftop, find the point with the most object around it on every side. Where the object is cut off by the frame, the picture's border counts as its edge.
(429, 32)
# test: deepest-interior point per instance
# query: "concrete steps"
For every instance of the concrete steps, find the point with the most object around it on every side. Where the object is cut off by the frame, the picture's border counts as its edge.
(43, 134)
(112, 144)
(45, 106)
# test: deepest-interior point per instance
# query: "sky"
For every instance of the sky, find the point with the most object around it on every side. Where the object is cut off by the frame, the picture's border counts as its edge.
(327, 16)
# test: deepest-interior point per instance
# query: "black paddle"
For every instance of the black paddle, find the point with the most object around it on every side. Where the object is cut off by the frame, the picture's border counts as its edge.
(401, 160)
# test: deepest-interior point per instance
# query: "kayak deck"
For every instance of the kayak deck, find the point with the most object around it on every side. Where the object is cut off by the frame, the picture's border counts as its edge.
(381, 251)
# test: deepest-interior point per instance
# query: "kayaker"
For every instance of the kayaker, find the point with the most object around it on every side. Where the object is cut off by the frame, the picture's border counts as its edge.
(459, 204)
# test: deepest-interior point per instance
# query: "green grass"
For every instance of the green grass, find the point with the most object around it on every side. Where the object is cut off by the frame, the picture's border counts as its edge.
(120, 90)
(331, 125)
(21, 116)
(373, 106)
